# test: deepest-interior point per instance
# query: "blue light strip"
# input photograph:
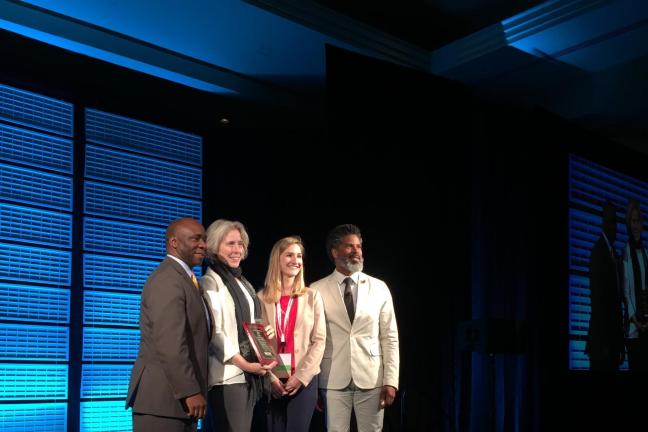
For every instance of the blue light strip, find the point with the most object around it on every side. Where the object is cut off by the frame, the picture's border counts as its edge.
(35, 226)
(111, 308)
(590, 184)
(145, 138)
(105, 381)
(33, 343)
(33, 382)
(142, 172)
(35, 149)
(33, 417)
(138, 206)
(37, 111)
(108, 344)
(105, 416)
(32, 264)
(122, 274)
(35, 304)
(100, 235)
(34, 187)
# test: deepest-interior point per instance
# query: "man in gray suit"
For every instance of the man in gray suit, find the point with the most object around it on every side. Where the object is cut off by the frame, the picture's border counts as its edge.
(359, 369)
(168, 385)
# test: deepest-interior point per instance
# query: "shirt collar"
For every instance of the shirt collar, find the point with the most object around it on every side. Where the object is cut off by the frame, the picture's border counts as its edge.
(183, 264)
(339, 277)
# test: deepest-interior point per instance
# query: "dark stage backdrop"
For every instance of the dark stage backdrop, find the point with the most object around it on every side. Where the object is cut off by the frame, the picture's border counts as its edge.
(463, 207)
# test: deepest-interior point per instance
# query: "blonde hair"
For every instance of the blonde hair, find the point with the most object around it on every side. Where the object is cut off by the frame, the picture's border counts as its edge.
(217, 232)
(271, 292)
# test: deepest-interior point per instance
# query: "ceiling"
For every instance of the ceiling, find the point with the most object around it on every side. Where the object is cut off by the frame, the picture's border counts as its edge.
(585, 60)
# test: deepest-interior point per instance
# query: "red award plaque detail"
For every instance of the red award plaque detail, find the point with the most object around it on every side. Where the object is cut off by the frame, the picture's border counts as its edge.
(260, 342)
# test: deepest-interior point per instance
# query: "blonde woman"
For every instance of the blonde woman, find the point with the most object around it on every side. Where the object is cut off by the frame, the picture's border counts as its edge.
(297, 315)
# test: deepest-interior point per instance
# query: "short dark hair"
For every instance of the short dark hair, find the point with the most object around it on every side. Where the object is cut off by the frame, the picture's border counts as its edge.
(335, 236)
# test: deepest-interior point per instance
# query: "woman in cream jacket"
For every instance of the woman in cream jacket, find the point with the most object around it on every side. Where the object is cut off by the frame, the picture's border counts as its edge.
(297, 315)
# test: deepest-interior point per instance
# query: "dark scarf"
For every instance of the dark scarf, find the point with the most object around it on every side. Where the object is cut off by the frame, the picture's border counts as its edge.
(641, 295)
(242, 313)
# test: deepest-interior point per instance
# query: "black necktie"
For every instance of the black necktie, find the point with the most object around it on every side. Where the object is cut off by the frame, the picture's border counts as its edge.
(348, 299)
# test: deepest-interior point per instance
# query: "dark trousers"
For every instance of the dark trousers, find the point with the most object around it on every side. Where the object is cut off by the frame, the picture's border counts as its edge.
(638, 353)
(230, 408)
(151, 423)
(293, 413)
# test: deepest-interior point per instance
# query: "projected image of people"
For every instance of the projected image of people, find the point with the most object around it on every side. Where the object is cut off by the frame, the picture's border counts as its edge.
(635, 264)
(605, 338)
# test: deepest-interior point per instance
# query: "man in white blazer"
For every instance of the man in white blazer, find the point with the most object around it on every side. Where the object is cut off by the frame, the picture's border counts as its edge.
(359, 369)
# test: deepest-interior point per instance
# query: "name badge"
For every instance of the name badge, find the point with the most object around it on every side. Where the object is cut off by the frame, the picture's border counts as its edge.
(283, 368)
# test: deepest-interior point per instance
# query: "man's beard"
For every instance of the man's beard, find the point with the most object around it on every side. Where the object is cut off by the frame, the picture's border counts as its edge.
(353, 267)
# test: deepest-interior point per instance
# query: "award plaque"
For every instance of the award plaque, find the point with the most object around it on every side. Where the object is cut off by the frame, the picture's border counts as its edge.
(260, 343)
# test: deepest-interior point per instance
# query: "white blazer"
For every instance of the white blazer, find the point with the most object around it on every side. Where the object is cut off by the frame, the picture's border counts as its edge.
(224, 343)
(366, 351)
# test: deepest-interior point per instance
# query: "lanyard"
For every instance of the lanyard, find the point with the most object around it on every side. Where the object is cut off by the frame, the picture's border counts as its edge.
(283, 323)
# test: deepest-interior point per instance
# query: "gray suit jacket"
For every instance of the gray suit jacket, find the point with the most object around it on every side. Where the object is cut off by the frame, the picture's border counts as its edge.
(172, 359)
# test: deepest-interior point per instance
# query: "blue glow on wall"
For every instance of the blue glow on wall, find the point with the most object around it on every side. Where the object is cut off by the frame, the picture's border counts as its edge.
(32, 342)
(34, 417)
(142, 172)
(105, 381)
(138, 206)
(138, 177)
(33, 382)
(141, 137)
(35, 187)
(35, 264)
(35, 226)
(34, 303)
(123, 238)
(590, 184)
(35, 149)
(37, 111)
(102, 416)
(101, 307)
(122, 274)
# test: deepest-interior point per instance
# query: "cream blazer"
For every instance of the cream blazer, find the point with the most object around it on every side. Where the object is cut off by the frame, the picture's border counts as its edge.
(367, 351)
(310, 333)
(224, 342)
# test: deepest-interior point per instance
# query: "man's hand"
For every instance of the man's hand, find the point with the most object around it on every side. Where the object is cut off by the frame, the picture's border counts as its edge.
(387, 395)
(195, 406)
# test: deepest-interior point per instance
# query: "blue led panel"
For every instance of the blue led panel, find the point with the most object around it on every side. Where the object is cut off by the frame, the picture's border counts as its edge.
(35, 187)
(31, 342)
(146, 138)
(35, 226)
(105, 381)
(33, 303)
(34, 417)
(103, 416)
(40, 112)
(122, 274)
(101, 307)
(590, 184)
(138, 206)
(35, 149)
(123, 238)
(110, 344)
(33, 264)
(144, 172)
(33, 382)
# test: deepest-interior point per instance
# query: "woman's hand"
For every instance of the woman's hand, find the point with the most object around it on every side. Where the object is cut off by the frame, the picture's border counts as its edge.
(293, 385)
(278, 389)
(253, 368)
(270, 331)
